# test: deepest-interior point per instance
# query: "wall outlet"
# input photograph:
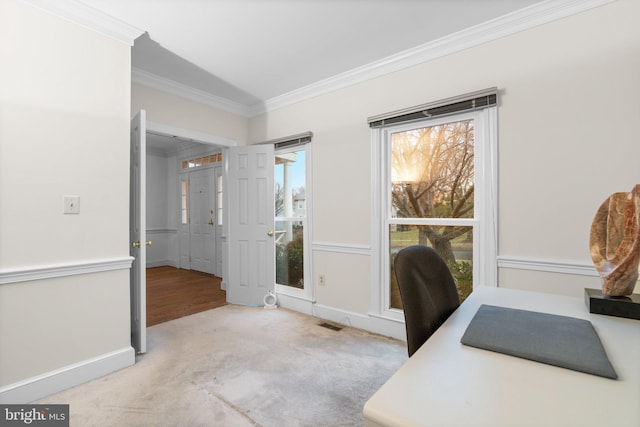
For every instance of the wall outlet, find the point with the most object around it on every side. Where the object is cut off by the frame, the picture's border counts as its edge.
(71, 204)
(322, 281)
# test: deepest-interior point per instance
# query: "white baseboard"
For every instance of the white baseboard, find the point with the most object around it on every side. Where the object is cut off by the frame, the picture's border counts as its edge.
(301, 305)
(162, 263)
(40, 386)
(377, 325)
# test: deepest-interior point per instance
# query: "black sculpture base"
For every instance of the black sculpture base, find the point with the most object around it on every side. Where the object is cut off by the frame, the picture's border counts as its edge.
(626, 306)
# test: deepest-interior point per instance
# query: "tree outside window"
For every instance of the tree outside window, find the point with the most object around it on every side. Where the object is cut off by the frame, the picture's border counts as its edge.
(432, 186)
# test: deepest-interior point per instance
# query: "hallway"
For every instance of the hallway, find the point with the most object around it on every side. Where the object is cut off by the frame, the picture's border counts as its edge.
(173, 293)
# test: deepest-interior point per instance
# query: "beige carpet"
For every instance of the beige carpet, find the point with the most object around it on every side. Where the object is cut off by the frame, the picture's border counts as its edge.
(241, 366)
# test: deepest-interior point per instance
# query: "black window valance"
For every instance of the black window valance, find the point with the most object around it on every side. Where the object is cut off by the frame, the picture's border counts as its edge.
(458, 104)
(289, 141)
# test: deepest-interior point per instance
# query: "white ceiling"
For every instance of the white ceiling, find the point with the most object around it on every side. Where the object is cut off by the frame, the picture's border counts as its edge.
(249, 52)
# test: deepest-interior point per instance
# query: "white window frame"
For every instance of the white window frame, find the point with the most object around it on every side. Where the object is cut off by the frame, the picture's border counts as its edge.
(307, 292)
(485, 242)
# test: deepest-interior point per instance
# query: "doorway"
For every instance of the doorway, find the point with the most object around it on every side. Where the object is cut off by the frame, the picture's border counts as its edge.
(200, 210)
(182, 208)
(165, 143)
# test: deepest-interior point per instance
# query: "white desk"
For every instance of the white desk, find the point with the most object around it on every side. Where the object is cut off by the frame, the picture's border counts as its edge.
(448, 384)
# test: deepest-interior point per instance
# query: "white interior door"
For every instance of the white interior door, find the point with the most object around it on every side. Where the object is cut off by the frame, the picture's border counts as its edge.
(251, 223)
(137, 233)
(202, 225)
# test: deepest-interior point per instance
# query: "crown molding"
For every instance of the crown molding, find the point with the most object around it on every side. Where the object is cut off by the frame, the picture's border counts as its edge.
(521, 20)
(91, 18)
(167, 85)
(524, 19)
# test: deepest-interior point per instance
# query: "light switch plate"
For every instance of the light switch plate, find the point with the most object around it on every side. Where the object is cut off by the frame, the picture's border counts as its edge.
(71, 204)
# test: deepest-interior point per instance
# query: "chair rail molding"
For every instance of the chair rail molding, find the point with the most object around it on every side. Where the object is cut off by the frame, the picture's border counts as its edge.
(545, 265)
(341, 248)
(40, 272)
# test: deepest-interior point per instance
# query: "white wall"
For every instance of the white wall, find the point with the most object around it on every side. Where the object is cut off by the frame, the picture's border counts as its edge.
(64, 130)
(157, 195)
(568, 116)
(161, 200)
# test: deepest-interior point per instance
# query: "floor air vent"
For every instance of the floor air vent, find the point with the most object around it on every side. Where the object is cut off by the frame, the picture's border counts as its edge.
(331, 326)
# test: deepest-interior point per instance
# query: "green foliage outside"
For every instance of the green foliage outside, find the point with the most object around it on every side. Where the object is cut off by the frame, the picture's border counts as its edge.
(461, 270)
(289, 261)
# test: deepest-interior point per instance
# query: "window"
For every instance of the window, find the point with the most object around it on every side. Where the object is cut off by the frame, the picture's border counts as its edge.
(436, 179)
(431, 196)
(202, 161)
(219, 195)
(291, 217)
(184, 201)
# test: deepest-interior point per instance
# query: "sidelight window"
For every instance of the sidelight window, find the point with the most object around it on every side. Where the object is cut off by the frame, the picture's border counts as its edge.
(184, 201)
(290, 217)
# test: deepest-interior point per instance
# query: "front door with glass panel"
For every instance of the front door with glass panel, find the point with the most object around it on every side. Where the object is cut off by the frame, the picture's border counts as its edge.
(201, 214)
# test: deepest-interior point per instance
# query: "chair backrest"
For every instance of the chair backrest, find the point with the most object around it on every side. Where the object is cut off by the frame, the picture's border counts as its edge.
(427, 290)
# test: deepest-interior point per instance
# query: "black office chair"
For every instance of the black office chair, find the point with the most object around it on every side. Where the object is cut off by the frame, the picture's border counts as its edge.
(427, 290)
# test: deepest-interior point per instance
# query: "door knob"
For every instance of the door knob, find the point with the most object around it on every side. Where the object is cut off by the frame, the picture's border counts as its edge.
(137, 244)
(270, 233)
(210, 222)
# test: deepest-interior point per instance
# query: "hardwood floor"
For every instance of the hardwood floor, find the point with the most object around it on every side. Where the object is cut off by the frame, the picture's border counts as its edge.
(174, 293)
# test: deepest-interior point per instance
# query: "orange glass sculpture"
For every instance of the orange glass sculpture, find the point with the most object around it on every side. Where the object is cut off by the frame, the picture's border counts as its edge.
(615, 242)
